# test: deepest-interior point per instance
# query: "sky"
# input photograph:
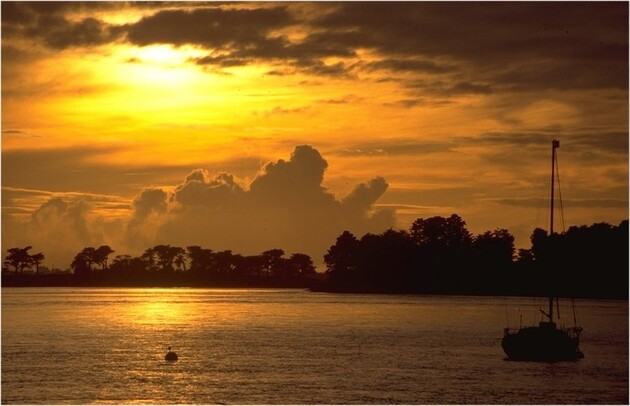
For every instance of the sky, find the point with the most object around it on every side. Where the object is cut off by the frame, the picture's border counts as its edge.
(251, 126)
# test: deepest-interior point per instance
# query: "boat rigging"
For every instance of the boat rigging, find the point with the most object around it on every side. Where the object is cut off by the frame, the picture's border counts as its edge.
(545, 342)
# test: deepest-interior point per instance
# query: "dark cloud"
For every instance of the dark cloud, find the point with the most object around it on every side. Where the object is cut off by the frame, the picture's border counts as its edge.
(484, 31)
(409, 65)
(445, 88)
(58, 33)
(212, 27)
(498, 41)
(475, 47)
(594, 139)
(396, 147)
(407, 103)
(586, 139)
(47, 22)
(240, 37)
(567, 203)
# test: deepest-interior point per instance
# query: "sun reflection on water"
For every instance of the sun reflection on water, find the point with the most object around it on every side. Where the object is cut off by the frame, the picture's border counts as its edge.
(181, 307)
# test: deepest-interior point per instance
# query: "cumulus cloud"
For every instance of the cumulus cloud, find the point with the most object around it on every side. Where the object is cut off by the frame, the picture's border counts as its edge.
(285, 206)
(365, 195)
(148, 209)
(293, 181)
(59, 228)
(149, 201)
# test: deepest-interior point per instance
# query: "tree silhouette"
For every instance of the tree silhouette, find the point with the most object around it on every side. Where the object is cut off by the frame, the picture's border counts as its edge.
(149, 256)
(19, 259)
(302, 265)
(165, 257)
(101, 254)
(180, 258)
(273, 262)
(386, 262)
(82, 263)
(437, 255)
(493, 257)
(341, 261)
(444, 251)
(441, 232)
(37, 259)
(223, 261)
(201, 259)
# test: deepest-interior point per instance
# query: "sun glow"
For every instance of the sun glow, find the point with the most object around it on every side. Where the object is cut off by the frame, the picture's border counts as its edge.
(163, 55)
(157, 311)
(158, 66)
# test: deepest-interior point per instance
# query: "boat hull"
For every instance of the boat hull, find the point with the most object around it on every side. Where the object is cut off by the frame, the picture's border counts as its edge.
(541, 344)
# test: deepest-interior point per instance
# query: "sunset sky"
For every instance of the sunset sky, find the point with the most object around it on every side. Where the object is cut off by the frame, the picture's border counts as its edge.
(251, 126)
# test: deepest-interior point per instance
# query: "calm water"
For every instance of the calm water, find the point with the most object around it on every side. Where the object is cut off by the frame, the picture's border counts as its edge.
(62, 345)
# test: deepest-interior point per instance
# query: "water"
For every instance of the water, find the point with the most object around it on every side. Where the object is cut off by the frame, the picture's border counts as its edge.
(257, 346)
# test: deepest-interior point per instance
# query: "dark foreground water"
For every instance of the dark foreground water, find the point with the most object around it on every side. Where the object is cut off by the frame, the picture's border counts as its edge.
(64, 345)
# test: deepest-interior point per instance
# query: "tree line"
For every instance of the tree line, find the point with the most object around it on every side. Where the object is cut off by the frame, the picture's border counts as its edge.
(436, 255)
(166, 265)
(21, 260)
(439, 255)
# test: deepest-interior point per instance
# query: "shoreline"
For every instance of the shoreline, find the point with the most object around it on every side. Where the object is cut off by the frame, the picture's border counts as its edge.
(68, 280)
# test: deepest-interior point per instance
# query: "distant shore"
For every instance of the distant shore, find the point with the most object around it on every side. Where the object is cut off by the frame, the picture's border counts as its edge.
(167, 281)
(312, 284)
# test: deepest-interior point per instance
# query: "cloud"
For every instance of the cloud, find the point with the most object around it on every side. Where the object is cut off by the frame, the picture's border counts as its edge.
(473, 48)
(282, 111)
(365, 195)
(199, 189)
(409, 65)
(285, 206)
(568, 203)
(514, 45)
(78, 168)
(213, 28)
(586, 141)
(59, 228)
(298, 179)
(149, 201)
(148, 210)
(47, 22)
(396, 147)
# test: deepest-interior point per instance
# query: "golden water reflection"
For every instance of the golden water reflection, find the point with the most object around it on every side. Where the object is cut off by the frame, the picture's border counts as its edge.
(182, 306)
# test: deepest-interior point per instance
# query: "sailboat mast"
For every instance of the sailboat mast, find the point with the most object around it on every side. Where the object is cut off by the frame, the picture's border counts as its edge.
(554, 145)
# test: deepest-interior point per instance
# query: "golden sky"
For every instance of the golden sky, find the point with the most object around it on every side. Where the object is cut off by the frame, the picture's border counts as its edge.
(250, 126)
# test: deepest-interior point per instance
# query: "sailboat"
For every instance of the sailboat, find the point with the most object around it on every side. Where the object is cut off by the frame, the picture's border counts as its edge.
(545, 342)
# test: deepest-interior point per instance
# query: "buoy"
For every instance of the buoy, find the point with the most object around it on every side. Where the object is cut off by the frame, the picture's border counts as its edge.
(170, 355)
